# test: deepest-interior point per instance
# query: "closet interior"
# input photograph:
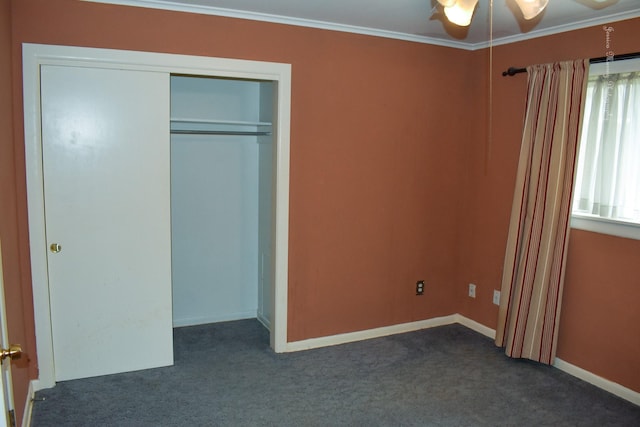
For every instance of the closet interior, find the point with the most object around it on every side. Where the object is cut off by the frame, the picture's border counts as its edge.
(221, 199)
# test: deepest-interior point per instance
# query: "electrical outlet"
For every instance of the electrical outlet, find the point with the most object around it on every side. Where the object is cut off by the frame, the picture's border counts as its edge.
(472, 290)
(496, 297)
(420, 287)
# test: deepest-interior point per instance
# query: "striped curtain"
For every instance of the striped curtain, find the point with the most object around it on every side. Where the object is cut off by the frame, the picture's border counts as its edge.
(536, 251)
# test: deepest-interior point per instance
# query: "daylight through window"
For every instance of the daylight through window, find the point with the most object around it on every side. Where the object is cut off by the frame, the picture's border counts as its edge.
(607, 185)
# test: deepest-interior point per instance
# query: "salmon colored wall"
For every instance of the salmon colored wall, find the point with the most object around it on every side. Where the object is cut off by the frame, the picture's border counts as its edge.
(393, 176)
(16, 281)
(600, 316)
(375, 152)
(600, 323)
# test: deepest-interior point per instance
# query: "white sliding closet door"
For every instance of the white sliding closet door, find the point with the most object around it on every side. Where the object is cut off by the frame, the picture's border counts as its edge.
(105, 138)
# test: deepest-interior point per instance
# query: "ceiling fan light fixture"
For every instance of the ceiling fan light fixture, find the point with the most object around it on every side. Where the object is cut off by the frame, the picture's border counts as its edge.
(531, 8)
(461, 12)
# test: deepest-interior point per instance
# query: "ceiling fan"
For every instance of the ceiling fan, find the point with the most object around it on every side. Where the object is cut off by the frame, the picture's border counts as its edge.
(460, 12)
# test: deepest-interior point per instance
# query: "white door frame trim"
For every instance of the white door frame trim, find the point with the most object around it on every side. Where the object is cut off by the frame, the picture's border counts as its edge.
(35, 55)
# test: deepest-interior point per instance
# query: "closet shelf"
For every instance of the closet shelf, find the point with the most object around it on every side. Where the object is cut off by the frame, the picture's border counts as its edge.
(193, 126)
(187, 120)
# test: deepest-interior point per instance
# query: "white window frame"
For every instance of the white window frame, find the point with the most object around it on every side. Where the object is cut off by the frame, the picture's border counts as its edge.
(594, 223)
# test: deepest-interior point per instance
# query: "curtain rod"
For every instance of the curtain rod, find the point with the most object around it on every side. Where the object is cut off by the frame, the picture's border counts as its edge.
(512, 71)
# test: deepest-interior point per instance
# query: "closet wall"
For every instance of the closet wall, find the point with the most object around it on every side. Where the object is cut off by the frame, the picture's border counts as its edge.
(220, 199)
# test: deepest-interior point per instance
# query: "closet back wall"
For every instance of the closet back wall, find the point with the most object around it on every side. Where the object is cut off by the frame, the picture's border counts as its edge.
(221, 174)
(214, 202)
(377, 152)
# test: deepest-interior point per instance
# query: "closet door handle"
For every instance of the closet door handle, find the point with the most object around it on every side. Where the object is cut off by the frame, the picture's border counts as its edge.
(55, 248)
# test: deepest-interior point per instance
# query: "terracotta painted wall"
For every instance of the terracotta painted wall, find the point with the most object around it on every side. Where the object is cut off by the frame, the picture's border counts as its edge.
(393, 176)
(599, 326)
(375, 152)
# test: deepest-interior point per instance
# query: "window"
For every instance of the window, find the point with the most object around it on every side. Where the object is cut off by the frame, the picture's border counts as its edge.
(606, 196)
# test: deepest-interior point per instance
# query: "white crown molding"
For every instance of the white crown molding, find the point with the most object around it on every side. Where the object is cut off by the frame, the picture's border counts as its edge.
(286, 20)
(300, 22)
(556, 30)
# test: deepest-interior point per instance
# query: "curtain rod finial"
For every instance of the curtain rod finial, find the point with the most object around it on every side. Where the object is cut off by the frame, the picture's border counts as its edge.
(512, 71)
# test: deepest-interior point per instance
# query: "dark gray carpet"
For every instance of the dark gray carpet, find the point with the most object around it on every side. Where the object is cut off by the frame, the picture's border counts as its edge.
(226, 375)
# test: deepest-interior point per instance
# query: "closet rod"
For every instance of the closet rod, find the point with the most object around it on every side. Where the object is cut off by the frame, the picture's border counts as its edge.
(512, 71)
(219, 132)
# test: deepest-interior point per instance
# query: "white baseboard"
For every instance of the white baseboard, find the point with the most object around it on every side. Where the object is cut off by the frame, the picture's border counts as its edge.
(390, 330)
(28, 404)
(193, 321)
(478, 327)
(607, 385)
(369, 333)
(603, 383)
(265, 322)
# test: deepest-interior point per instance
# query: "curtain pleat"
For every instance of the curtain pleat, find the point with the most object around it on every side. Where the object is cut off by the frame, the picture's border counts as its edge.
(533, 270)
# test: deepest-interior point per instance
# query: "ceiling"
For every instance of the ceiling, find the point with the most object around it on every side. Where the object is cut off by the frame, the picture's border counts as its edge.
(414, 20)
